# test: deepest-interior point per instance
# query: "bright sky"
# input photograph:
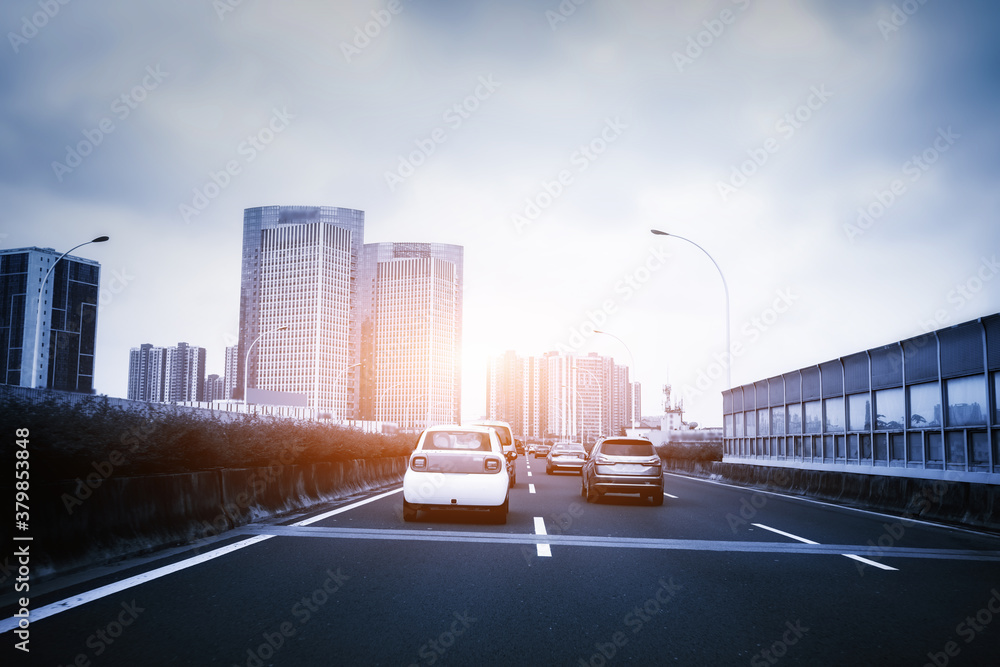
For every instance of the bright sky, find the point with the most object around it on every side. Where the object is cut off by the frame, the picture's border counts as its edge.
(547, 142)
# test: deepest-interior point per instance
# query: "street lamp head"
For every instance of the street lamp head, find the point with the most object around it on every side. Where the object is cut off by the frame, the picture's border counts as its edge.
(101, 239)
(659, 233)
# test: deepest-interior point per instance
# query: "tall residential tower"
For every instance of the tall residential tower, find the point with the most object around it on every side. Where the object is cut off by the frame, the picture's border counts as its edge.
(68, 304)
(300, 271)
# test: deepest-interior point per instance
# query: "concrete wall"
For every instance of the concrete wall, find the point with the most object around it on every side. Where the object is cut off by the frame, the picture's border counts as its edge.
(957, 503)
(75, 524)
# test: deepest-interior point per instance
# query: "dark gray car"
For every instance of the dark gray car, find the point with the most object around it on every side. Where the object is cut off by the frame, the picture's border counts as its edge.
(623, 465)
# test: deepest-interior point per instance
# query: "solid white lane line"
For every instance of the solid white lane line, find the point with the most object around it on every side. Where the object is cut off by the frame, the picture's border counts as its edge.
(781, 532)
(326, 515)
(543, 550)
(870, 562)
(531, 488)
(8, 624)
(851, 556)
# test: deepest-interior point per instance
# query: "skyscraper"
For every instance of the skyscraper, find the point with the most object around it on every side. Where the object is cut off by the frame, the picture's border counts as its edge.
(300, 268)
(68, 299)
(166, 375)
(411, 333)
(560, 395)
(232, 372)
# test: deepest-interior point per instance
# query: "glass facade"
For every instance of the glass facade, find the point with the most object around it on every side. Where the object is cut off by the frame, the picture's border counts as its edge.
(924, 404)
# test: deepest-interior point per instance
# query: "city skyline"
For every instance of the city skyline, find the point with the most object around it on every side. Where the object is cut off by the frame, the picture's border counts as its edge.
(838, 162)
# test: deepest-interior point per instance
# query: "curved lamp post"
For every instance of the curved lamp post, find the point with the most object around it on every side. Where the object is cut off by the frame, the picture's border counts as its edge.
(725, 287)
(631, 362)
(38, 320)
(246, 362)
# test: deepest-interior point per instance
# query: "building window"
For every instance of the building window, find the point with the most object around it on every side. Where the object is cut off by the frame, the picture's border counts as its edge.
(729, 426)
(859, 412)
(814, 417)
(889, 409)
(925, 405)
(738, 421)
(778, 421)
(795, 418)
(966, 401)
(834, 408)
(763, 422)
(751, 424)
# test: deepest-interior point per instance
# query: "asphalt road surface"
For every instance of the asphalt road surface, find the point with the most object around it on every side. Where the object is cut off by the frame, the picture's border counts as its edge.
(716, 576)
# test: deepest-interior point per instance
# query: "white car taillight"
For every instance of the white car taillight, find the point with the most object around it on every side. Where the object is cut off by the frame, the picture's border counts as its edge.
(492, 465)
(419, 463)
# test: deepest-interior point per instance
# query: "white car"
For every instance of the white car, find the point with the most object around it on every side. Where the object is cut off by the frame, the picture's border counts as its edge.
(507, 442)
(457, 468)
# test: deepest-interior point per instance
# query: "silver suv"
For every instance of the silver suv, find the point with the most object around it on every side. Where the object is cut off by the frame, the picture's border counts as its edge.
(623, 465)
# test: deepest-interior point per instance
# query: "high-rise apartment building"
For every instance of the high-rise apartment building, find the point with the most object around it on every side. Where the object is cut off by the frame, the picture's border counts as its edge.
(215, 388)
(231, 372)
(411, 333)
(560, 395)
(300, 271)
(166, 374)
(66, 295)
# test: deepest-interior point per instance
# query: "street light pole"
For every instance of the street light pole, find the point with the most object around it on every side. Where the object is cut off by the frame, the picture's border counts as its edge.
(631, 362)
(38, 319)
(246, 362)
(725, 287)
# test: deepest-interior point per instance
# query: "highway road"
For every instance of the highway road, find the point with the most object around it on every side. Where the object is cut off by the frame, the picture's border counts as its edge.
(716, 576)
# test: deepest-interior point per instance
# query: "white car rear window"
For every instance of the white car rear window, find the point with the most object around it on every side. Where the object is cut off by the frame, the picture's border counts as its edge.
(457, 441)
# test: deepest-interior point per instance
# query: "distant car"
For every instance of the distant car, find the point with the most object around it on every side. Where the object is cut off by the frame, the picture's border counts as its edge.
(565, 456)
(531, 448)
(623, 465)
(542, 450)
(457, 468)
(506, 436)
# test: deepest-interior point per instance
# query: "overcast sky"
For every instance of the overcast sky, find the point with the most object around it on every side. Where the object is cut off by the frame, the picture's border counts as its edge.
(545, 138)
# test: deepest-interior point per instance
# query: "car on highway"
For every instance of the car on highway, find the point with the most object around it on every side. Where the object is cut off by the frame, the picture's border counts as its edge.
(623, 465)
(506, 436)
(565, 456)
(542, 450)
(457, 468)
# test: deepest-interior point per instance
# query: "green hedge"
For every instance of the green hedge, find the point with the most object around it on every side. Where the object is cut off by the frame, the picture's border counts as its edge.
(70, 440)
